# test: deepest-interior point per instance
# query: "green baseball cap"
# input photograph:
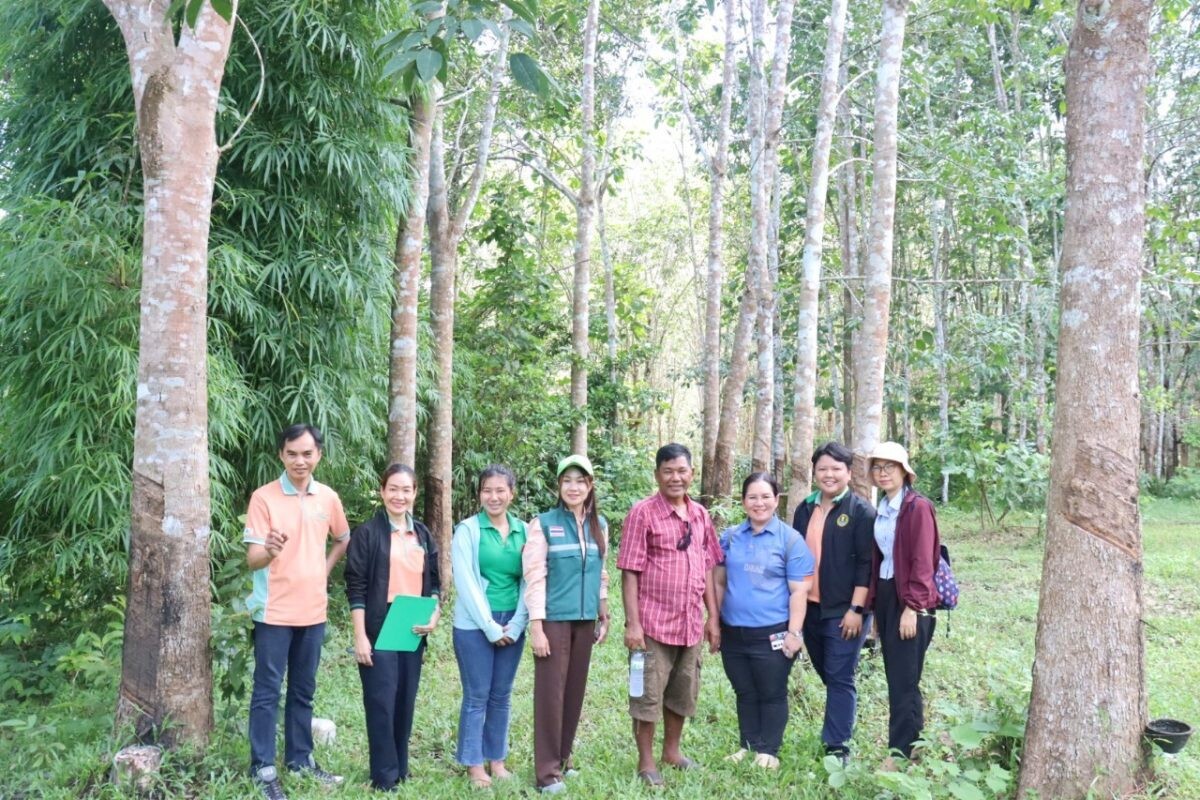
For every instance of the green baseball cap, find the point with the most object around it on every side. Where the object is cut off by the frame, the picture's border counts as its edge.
(577, 461)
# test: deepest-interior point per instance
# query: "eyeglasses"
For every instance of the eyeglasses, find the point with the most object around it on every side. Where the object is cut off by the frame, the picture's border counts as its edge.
(884, 467)
(685, 541)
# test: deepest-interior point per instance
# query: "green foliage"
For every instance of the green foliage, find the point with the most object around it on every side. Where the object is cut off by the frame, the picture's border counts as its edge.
(299, 271)
(1183, 485)
(433, 38)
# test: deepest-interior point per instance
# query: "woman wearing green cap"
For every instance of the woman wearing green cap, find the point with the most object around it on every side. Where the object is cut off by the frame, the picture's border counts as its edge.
(566, 595)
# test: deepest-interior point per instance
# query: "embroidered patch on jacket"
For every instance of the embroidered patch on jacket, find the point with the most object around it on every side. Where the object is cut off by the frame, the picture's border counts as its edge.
(843, 520)
(557, 531)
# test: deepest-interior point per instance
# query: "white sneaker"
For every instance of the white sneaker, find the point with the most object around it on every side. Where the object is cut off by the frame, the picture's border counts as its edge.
(738, 757)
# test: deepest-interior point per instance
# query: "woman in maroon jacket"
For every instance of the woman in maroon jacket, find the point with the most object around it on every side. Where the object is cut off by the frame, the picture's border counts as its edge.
(904, 596)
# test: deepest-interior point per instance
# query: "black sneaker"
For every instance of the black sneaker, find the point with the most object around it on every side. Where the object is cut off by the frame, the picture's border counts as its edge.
(267, 781)
(314, 771)
(842, 754)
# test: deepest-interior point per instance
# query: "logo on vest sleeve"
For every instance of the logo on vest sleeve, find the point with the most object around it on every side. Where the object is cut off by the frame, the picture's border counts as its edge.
(557, 531)
(843, 520)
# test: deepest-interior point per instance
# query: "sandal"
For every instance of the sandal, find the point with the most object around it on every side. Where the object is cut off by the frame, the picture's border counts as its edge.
(651, 777)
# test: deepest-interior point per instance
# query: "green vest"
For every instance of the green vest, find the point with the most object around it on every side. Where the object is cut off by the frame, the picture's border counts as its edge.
(572, 580)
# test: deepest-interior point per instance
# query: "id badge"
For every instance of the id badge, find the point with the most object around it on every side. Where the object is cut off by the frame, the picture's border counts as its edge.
(777, 640)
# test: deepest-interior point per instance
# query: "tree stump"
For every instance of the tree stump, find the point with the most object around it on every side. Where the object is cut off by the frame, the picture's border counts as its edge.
(324, 731)
(135, 766)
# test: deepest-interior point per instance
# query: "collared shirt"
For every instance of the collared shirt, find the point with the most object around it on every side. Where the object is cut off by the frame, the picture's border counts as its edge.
(671, 581)
(885, 532)
(814, 537)
(290, 590)
(406, 561)
(500, 561)
(758, 567)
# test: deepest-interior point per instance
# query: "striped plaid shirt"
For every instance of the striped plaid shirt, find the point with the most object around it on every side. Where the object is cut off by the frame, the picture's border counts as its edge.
(670, 581)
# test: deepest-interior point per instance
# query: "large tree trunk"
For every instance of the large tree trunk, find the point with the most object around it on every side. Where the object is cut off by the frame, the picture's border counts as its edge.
(443, 256)
(1088, 704)
(166, 666)
(764, 119)
(410, 243)
(804, 400)
(584, 208)
(848, 239)
(762, 448)
(446, 228)
(877, 284)
(715, 267)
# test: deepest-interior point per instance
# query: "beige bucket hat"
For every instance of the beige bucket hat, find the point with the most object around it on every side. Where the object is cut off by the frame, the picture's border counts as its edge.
(892, 451)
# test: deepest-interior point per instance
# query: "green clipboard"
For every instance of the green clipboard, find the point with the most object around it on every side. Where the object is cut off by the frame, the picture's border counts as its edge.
(406, 611)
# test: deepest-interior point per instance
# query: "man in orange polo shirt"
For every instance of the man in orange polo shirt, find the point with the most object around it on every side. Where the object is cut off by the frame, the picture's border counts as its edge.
(288, 525)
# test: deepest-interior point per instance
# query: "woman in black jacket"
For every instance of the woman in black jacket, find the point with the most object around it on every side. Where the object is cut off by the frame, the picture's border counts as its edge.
(839, 528)
(391, 554)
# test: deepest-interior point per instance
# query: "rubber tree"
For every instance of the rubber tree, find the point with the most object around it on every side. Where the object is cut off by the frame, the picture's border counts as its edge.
(871, 355)
(166, 665)
(1088, 704)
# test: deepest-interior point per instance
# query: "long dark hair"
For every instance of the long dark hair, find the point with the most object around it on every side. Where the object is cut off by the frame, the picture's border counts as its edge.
(591, 512)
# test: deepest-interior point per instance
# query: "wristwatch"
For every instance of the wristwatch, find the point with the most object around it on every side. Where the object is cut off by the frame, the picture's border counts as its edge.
(796, 634)
(858, 610)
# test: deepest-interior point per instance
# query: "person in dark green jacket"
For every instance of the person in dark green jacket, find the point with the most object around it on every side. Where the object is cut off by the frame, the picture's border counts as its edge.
(566, 595)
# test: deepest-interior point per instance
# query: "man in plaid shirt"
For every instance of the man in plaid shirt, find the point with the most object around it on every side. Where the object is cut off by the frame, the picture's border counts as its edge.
(668, 549)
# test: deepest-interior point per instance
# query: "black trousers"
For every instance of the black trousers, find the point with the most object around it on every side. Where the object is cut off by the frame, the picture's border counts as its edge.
(759, 676)
(903, 663)
(389, 697)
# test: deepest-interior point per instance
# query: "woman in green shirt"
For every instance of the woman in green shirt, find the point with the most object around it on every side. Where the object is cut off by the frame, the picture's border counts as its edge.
(489, 623)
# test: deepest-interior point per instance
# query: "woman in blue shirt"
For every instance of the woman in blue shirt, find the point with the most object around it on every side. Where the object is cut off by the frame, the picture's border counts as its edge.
(489, 624)
(762, 592)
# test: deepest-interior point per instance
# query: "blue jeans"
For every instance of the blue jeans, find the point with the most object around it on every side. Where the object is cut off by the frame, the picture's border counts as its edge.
(487, 672)
(296, 650)
(835, 660)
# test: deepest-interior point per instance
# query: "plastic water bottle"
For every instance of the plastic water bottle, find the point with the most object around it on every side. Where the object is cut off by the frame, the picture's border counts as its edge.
(637, 673)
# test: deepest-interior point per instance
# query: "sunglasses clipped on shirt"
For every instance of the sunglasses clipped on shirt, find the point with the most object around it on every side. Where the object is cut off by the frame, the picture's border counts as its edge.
(685, 541)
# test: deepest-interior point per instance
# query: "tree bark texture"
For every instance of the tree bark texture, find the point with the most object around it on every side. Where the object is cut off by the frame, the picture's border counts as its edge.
(443, 256)
(739, 364)
(446, 228)
(764, 119)
(410, 243)
(871, 358)
(776, 98)
(848, 240)
(1088, 703)
(804, 400)
(166, 667)
(715, 264)
(584, 209)
(762, 442)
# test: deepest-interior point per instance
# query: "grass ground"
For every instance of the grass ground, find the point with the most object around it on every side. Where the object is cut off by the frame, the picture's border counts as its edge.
(976, 683)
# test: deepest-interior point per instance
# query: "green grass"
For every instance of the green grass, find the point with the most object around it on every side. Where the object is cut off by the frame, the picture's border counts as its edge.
(979, 671)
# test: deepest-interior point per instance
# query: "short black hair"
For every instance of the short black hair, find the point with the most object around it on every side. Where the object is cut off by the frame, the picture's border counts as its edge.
(293, 432)
(496, 471)
(670, 452)
(835, 450)
(765, 477)
(397, 469)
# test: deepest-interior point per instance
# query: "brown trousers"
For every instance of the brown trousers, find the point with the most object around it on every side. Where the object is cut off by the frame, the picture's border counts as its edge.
(559, 681)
